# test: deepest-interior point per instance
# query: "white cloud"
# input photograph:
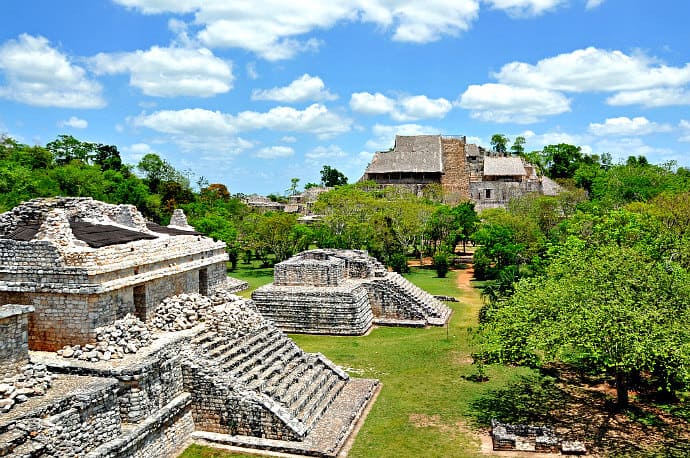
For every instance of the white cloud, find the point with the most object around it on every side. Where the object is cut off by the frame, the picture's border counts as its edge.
(276, 29)
(591, 4)
(524, 8)
(320, 153)
(195, 130)
(371, 104)
(503, 103)
(684, 125)
(39, 75)
(303, 89)
(315, 119)
(74, 122)
(420, 106)
(651, 98)
(384, 135)
(404, 108)
(252, 73)
(594, 70)
(625, 126)
(621, 148)
(183, 121)
(170, 72)
(272, 152)
(288, 139)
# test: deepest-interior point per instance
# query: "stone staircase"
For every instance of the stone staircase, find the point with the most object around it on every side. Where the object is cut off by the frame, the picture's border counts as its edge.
(266, 361)
(414, 301)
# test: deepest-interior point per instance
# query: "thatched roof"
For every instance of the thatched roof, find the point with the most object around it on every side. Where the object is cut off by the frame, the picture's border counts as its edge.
(503, 166)
(471, 149)
(417, 154)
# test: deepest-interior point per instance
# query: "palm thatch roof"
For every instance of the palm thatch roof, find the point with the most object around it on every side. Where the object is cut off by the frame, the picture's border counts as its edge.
(417, 154)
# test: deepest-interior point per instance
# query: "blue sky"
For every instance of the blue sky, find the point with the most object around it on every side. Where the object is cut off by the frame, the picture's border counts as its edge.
(253, 93)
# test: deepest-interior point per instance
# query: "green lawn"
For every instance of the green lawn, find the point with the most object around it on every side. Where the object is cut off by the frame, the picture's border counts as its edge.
(426, 407)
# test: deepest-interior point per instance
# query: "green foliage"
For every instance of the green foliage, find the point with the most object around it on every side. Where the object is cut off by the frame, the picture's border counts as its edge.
(398, 263)
(441, 265)
(609, 309)
(499, 143)
(331, 176)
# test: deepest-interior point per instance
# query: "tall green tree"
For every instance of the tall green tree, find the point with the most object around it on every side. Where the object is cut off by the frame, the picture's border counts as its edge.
(608, 309)
(331, 176)
(499, 143)
(518, 146)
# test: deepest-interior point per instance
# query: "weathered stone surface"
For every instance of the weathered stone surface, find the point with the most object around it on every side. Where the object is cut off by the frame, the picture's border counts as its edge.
(152, 346)
(343, 292)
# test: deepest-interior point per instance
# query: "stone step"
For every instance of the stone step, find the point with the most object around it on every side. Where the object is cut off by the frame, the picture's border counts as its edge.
(251, 368)
(309, 390)
(242, 347)
(312, 412)
(273, 368)
(320, 394)
(293, 370)
(10, 440)
(253, 356)
(291, 390)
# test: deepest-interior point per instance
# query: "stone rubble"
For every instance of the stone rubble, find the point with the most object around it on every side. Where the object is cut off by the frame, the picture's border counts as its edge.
(180, 312)
(124, 336)
(33, 380)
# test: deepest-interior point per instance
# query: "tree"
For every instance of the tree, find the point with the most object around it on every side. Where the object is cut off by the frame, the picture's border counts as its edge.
(606, 309)
(499, 143)
(66, 148)
(293, 189)
(332, 177)
(107, 157)
(518, 147)
(564, 159)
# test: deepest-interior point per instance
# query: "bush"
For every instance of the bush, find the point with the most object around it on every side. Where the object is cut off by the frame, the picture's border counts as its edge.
(441, 265)
(398, 262)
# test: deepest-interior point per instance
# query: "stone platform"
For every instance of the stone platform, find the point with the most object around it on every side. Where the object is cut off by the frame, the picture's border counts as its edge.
(344, 292)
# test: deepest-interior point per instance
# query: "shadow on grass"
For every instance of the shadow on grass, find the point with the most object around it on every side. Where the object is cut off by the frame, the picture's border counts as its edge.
(527, 400)
(580, 411)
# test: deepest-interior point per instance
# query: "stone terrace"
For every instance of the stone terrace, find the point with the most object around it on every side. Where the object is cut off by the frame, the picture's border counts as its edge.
(344, 292)
(104, 283)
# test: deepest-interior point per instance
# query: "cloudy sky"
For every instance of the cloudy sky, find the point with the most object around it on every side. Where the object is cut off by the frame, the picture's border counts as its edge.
(253, 93)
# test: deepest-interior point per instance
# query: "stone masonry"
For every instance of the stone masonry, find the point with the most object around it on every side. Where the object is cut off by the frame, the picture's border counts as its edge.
(76, 288)
(208, 367)
(343, 292)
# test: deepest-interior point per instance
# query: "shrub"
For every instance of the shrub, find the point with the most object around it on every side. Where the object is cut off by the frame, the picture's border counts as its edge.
(441, 265)
(398, 262)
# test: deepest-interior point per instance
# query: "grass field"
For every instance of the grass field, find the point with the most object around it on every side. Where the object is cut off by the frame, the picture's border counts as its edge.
(427, 406)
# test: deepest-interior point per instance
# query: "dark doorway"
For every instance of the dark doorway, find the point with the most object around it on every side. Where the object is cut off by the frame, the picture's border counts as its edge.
(203, 281)
(140, 302)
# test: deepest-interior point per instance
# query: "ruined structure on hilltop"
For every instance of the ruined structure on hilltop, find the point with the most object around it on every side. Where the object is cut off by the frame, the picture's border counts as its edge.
(344, 292)
(145, 364)
(464, 171)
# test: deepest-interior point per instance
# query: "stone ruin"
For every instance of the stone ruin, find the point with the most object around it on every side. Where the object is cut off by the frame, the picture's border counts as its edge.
(530, 438)
(344, 292)
(129, 343)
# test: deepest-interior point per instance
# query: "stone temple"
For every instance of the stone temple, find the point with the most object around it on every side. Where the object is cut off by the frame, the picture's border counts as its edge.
(344, 292)
(121, 338)
(464, 171)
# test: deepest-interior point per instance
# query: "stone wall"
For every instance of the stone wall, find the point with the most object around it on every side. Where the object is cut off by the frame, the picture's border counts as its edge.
(455, 178)
(497, 194)
(70, 425)
(342, 310)
(14, 329)
(307, 271)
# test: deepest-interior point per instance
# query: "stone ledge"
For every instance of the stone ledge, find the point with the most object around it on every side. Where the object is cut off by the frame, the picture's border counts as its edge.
(327, 437)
